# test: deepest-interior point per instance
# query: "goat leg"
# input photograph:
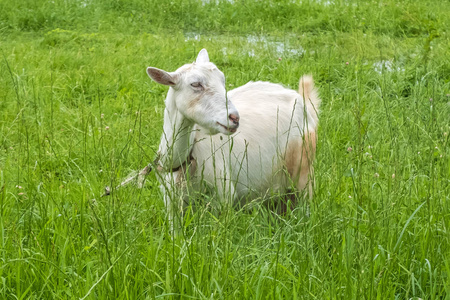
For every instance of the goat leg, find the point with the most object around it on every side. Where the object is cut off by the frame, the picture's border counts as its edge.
(138, 177)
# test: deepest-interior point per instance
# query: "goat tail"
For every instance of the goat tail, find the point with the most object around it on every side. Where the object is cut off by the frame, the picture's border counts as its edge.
(307, 90)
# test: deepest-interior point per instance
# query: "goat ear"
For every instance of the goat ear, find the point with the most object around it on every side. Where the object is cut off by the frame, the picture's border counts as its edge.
(162, 77)
(202, 56)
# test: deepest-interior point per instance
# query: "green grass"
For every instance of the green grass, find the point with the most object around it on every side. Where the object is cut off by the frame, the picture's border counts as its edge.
(78, 112)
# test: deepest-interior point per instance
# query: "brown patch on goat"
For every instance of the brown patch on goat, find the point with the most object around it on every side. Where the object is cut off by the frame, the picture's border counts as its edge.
(299, 158)
(194, 102)
(292, 157)
(192, 105)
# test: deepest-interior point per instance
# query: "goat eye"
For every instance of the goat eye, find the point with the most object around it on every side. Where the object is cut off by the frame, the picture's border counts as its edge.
(196, 85)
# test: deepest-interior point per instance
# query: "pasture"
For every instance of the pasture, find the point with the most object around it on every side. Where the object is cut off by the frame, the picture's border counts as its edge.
(78, 112)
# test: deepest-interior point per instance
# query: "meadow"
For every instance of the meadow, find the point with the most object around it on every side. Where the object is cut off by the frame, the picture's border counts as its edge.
(78, 113)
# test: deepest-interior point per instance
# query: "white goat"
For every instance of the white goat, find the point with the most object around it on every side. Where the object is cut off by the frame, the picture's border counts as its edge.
(257, 138)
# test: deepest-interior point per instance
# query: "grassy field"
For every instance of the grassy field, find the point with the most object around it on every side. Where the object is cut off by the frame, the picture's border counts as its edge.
(78, 112)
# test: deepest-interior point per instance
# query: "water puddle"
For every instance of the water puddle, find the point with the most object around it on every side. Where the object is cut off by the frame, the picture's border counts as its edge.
(254, 45)
(280, 48)
(217, 2)
(322, 2)
(386, 66)
(192, 37)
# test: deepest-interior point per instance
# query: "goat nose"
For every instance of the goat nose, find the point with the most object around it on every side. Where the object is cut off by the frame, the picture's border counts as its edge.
(234, 118)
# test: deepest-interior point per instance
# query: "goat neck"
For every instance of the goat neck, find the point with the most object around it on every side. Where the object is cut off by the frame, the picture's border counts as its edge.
(177, 138)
